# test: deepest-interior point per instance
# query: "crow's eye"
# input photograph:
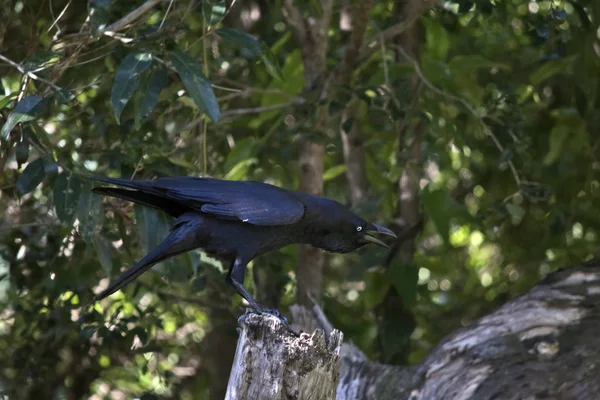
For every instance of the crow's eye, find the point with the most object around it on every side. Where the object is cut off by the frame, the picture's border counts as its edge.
(358, 228)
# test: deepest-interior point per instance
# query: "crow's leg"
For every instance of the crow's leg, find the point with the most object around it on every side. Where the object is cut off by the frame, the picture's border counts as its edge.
(235, 277)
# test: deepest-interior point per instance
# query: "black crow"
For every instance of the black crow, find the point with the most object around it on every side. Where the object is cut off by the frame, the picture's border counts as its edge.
(237, 221)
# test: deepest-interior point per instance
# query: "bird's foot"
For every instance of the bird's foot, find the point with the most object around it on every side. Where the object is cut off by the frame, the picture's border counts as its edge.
(270, 311)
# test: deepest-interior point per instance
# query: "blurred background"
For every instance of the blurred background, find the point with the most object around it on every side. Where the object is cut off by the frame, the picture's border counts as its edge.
(469, 127)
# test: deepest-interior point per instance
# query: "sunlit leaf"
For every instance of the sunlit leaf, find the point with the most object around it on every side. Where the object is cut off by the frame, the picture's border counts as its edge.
(240, 170)
(272, 64)
(334, 172)
(31, 177)
(6, 100)
(67, 189)
(242, 39)
(182, 163)
(40, 59)
(196, 83)
(26, 110)
(437, 39)
(126, 80)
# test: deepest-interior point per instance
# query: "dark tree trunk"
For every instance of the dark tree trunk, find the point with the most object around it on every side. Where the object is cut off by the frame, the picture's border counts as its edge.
(311, 34)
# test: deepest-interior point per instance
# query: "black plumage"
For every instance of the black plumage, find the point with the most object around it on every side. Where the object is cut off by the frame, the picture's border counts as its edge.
(237, 221)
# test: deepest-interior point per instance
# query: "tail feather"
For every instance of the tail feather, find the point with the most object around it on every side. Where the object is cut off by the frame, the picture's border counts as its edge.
(170, 207)
(180, 240)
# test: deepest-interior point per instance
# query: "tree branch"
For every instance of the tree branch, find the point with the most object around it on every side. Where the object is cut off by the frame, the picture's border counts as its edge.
(294, 20)
(22, 70)
(132, 16)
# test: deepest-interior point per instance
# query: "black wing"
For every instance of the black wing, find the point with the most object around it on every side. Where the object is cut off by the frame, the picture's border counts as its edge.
(252, 202)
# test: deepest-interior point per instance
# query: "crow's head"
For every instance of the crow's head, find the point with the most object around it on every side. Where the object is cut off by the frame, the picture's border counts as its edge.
(341, 231)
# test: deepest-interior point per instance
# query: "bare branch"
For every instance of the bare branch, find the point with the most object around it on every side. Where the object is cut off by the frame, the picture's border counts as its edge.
(372, 45)
(31, 75)
(294, 20)
(258, 110)
(352, 52)
(132, 16)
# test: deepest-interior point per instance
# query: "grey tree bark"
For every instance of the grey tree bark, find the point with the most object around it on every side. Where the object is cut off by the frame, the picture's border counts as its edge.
(354, 154)
(542, 345)
(273, 364)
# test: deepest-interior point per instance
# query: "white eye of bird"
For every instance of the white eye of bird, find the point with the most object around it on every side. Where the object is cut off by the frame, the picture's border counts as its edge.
(358, 228)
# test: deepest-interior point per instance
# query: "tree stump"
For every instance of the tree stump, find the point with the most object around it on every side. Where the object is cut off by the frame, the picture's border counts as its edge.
(271, 363)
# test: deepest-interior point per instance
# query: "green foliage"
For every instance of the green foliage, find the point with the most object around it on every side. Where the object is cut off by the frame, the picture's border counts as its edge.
(196, 83)
(508, 183)
(126, 80)
(25, 111)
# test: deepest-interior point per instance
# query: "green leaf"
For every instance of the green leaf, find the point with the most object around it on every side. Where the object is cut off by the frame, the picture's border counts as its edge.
(26, 110)
(515, 210)
(471, 63)
(405, 278)
(22, 152)
(38, 136)
(272, 64)
(6, 100)
(90, 213)
(241, 39)
(334, 172)
(67, 189)
(553, 67)
(437, 204)
(152, 227)
(558, 135)
(376, 287)
(126, 80)
(31, 177)
(292, 85)
(437, 39)
(40, 59)
(148, 94)
(103, 251)
(196, 83)
(240, 170)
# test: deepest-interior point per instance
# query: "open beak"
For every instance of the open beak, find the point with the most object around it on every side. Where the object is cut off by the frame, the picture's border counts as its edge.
(375, 229)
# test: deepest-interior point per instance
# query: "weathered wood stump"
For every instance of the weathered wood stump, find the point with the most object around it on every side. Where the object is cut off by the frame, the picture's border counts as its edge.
(271, 363)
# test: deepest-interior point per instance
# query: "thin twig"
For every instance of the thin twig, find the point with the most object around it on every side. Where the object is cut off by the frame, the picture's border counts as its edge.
(31, 75)
(132, 16)
(165, 17)
(258, 110)
(59, 17)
